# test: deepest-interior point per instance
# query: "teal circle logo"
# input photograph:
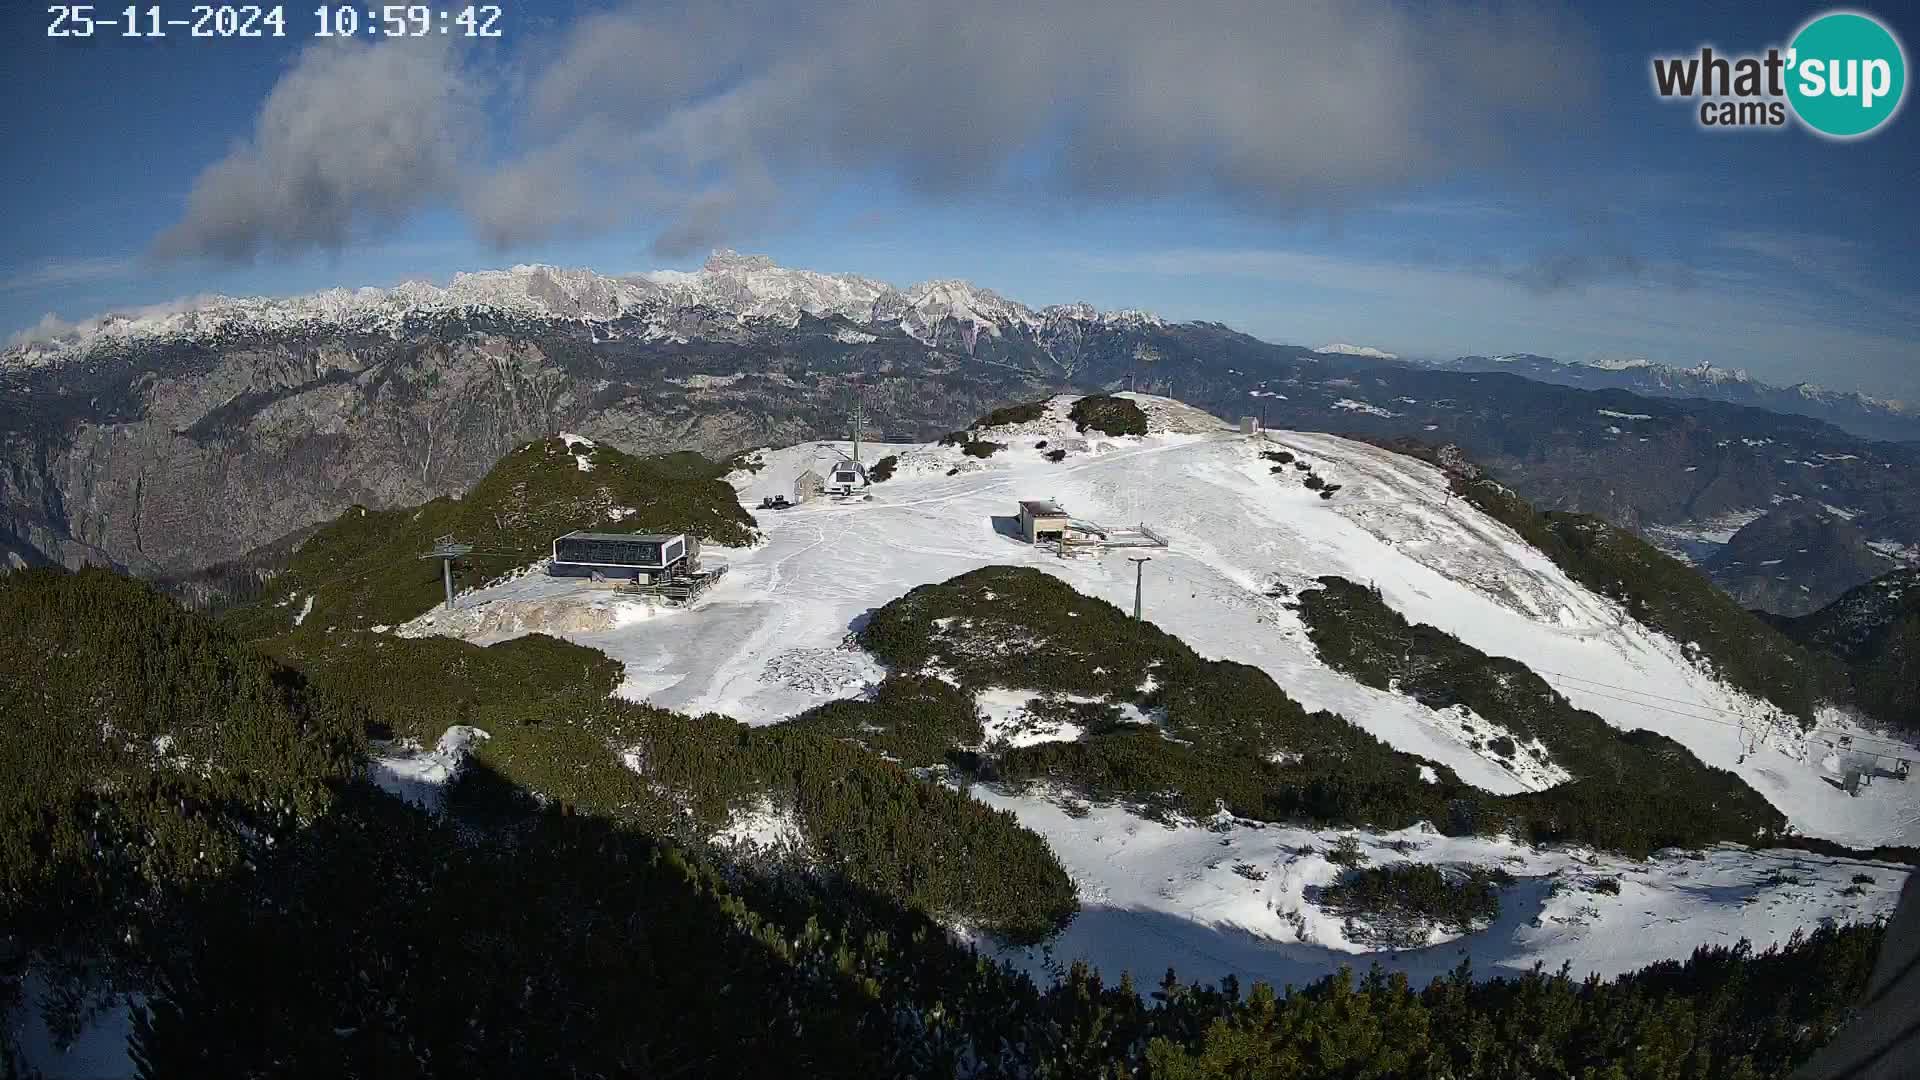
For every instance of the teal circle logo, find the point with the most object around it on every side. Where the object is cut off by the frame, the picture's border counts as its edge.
(1846, 74)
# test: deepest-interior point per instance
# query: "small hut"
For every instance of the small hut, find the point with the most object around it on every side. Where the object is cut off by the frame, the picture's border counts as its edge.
(808, 486)
(1042, 519)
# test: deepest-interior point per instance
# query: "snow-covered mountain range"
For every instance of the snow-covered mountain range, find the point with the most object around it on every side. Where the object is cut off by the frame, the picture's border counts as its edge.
(225, 425)
(744, 288)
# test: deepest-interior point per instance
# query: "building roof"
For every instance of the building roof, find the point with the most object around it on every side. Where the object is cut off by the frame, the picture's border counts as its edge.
(1042, 508)
(646, 538)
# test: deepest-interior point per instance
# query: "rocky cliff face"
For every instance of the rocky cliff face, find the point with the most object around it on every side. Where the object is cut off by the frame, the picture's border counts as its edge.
(171, 464)
(172, 441)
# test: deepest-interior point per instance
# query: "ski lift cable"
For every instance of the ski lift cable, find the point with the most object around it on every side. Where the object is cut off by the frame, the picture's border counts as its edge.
(1893, 743)
(1641, 693)
(1659, 708)
(1698, 705)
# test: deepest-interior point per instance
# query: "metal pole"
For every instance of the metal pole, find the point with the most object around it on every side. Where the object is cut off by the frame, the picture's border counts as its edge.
(1139, 569)
(859, 420)
(446, 577)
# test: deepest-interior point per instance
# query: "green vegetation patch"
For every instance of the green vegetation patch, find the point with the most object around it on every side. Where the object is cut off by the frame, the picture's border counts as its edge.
(336, 960)
(882, 470)
(274, 915)
(915, 719)
(558, 738)
(871, 822)
(1634, 791)
(1873, 633)
(1222, 732)
(143, 748)
(1108, 415)
(365, 568)
(1399, 903)
(1225, 735)
(416, 688)
(1026, 412)
(981, 448)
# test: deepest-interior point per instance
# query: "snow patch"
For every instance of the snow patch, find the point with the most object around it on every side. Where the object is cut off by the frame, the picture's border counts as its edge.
(1362, 407)
(763, 827)
(421, 776)
(1341, 348)
(1229, 897)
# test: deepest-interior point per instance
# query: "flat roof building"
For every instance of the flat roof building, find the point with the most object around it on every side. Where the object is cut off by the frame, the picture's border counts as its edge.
(1042, 519)
(632, 556)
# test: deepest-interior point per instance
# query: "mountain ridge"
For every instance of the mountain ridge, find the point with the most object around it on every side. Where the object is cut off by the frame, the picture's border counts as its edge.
(1865, 414)
(750, 288)
(223, 430)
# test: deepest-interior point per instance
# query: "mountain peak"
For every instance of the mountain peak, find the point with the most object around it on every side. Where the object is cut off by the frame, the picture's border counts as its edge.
(1341, 348)
(727, 260)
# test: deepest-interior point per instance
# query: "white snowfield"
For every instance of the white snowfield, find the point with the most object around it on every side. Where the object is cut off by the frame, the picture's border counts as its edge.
(421, 776)
(1239, 898)
(770, 641)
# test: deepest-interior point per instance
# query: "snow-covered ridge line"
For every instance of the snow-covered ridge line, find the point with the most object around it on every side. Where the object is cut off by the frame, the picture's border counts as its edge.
(1677, 376)
(750, 288)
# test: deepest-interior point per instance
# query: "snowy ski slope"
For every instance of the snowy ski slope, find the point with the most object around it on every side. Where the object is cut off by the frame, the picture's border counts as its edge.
(767, 642)
(1236, 897)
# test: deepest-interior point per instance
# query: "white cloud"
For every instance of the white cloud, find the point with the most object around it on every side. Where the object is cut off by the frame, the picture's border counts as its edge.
(352, 136)
(696, 118)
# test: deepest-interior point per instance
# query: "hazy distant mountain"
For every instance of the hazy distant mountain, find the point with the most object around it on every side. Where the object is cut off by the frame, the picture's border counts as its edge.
(174, 439)
(1862, 414)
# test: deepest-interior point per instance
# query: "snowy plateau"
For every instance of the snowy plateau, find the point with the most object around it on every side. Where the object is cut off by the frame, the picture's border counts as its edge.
(1219, 897)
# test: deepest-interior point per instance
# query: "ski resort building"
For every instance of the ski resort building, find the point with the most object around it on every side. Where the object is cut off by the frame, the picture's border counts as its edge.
(1042, 519)
(808, 486)
(847, 475)
(639, 557)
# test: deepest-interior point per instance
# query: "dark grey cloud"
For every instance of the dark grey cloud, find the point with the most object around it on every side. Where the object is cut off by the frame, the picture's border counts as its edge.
(1555, 270)
(352, 135)
(696, 118)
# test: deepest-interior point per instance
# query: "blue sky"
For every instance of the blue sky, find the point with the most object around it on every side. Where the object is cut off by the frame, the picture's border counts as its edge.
(1427, 180)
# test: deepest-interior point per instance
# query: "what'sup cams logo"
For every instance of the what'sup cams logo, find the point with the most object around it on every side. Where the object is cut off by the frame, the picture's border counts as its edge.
(1842, 76)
